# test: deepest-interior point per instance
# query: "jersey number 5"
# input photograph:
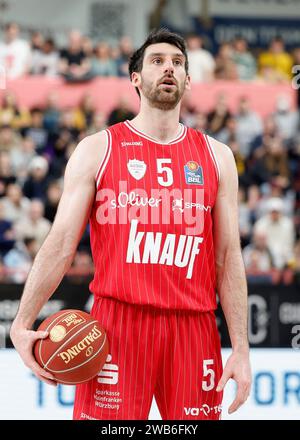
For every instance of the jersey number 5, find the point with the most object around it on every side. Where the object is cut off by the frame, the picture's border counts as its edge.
(166, 179)
(209, 383)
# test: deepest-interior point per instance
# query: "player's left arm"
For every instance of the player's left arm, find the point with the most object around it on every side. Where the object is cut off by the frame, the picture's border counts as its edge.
(231, 278)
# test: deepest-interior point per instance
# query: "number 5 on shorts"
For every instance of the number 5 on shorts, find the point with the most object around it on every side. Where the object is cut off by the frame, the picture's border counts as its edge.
(209, 383)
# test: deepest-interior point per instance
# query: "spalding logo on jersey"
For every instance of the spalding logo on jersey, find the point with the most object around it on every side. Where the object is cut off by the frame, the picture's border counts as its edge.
(136, 168)
(193, 173)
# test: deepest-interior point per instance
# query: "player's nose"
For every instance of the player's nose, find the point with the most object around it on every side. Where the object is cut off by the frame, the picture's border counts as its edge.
(168, 66)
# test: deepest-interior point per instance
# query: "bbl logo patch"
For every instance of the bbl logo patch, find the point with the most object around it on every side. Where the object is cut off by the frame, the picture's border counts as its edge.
(193, 173)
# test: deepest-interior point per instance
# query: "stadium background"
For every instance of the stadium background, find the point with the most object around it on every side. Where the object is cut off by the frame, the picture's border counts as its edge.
(245, 92)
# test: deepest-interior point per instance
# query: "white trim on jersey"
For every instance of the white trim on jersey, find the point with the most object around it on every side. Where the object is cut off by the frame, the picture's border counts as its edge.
(179, 137)
(213, 156)
(105, 159)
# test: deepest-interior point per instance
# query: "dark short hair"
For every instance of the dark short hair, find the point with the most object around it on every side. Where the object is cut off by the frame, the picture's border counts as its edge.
(162, 35)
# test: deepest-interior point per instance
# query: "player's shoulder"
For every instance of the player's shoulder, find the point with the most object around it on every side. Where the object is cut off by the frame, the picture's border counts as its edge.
(95, 143)
(222, 151)
(225, 159)
(89, 152)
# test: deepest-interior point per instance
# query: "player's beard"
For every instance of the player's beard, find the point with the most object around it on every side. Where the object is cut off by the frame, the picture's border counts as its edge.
(160, 97)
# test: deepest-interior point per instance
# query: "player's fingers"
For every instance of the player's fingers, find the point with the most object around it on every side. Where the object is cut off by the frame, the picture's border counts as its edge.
(31, 363)
(241, 397)
(41, 372)
(48, 381)
(224, 379)
(39, 334)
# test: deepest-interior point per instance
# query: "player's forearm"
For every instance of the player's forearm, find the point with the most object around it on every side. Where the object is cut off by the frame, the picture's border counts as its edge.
(51, 263)
(232, 291)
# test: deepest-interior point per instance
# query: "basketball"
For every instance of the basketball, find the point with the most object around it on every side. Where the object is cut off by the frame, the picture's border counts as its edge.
(76, 348)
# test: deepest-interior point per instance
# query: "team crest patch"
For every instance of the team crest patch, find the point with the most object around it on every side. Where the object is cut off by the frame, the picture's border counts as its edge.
(136, 168)
(193, 173)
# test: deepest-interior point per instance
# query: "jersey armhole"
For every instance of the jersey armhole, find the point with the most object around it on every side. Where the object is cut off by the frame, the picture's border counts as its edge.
(213, 156)
(104, 160)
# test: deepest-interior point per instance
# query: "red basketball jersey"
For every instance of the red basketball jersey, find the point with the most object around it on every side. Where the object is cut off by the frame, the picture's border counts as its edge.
(151, 222)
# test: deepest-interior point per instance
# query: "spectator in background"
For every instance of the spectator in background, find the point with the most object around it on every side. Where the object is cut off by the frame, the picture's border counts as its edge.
(54, 192)
(201, 62)
(276, 161)
(228, 133)
(59, 156)
(98, 123)
(125, 50)
(296, 70)
(74, 65)
(33, 225)
(35, 186)
(218, 118)
(18, 260)
(36, 41)
(257, 256)
(225, 68)
(279, 232)
(14, 205)
(277, 60)
(87, 46)
(200, 122)
(52, 114)
(36, 130)
(122, 112)
(244, 60)
(286, 120)
(240, 161)
(270, 161)
(14, 52)
(68, 123)
(11, 114)
(249, 126)
(6, 174)
(82, 266)
(45, 60)
(255, 202)
(258, 261)
(21, 157)
(7, 234)
(244, 217)
(102, 63)
(9, 138)
(187, 110)
(84, 113)
(297, 262)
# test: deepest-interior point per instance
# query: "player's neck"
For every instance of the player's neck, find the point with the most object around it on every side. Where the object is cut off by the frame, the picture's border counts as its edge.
(159, 124)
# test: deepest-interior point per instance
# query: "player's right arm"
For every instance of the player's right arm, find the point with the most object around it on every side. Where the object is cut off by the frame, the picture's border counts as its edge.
(57, 252)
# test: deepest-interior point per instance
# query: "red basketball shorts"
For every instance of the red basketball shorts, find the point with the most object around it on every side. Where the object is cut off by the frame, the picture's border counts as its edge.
(172, 355)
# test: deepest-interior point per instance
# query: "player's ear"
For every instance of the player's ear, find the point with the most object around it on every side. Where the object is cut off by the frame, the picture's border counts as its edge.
(188, 82)
(136, 79)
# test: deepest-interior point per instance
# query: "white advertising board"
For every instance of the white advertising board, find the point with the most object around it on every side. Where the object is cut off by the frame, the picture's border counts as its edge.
(275, 392)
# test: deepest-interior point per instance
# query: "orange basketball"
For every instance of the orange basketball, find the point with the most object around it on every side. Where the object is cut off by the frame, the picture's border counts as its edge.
(76, 348)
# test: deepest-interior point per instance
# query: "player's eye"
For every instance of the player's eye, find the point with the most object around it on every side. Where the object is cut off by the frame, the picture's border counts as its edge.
(157, 60)
(178, 62)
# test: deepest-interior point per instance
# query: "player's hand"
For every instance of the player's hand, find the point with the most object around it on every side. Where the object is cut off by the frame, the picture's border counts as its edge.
(23, 340)
(237, 368)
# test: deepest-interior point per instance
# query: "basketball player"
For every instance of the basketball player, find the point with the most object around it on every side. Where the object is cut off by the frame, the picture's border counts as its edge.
(161, 199)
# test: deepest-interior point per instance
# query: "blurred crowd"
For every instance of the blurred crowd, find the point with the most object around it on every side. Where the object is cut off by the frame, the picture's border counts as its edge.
(267, 155)
(35, 145)
(82, 59)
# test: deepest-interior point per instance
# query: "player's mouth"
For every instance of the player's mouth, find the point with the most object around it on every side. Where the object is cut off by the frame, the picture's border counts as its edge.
(168, 82)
